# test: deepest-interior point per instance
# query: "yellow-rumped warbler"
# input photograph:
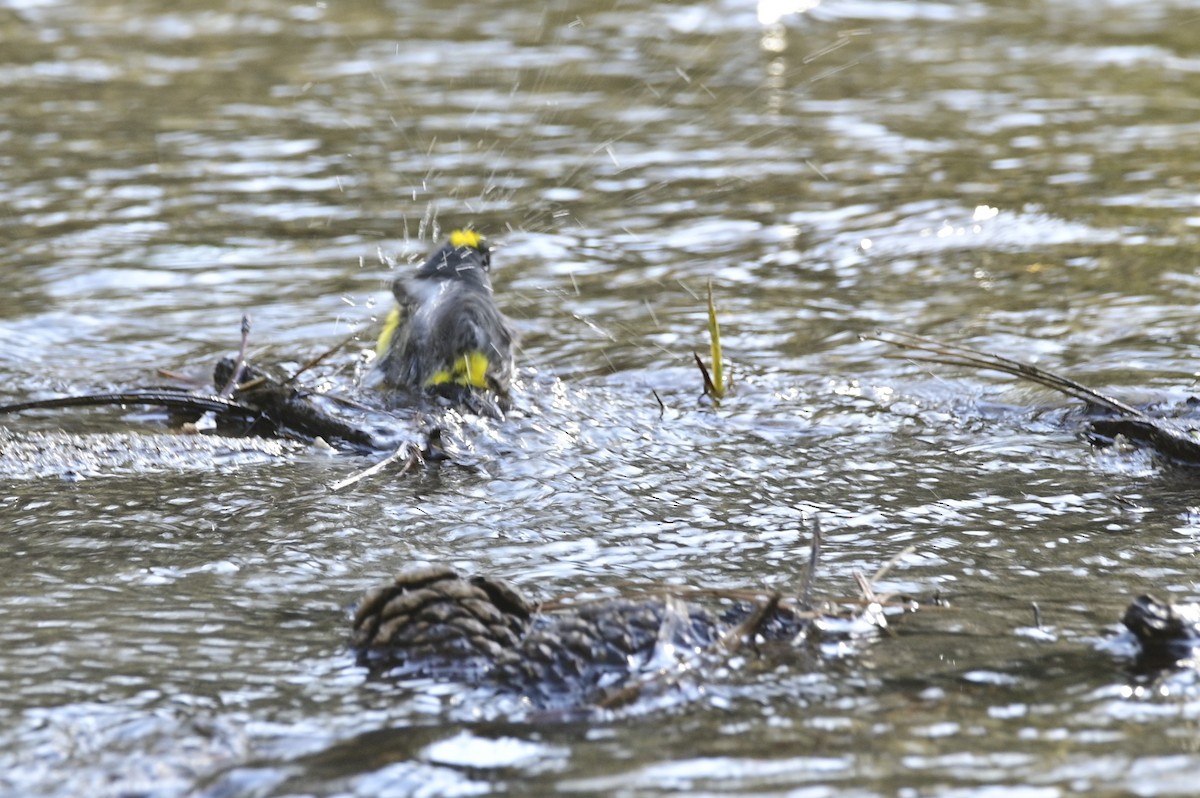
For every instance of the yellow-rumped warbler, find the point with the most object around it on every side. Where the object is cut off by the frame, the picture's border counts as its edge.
(446, 335)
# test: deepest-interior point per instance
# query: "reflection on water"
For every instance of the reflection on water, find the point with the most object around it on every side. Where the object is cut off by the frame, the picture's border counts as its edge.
(1021, 179)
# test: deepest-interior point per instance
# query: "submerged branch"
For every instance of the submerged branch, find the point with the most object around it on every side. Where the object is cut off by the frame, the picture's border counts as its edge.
(263, 406)
(955, 355)
(160, 397)
(1174, 442)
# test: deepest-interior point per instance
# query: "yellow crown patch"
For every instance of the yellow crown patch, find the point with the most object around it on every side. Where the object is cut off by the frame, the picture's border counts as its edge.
(465, 238)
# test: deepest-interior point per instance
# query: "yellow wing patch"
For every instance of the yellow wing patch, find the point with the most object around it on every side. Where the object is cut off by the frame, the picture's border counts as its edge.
(465, 238)
(469, 370)
(389, 331)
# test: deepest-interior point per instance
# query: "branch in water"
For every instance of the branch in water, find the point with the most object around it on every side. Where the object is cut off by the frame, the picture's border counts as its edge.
(955, 355)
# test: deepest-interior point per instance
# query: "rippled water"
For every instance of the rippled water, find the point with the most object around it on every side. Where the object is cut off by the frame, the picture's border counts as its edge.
(1019, 178)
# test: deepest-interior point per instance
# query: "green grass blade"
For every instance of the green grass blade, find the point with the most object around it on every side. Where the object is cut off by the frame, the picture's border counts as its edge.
(714, 335)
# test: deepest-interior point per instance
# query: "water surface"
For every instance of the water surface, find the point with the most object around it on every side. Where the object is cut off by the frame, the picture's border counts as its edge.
(1018, 178)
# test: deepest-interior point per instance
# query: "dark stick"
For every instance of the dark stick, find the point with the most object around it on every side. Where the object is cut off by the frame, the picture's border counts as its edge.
(954, 355)
(1178, 445)
(236, 375)
(709, 388)
(181, 400)
(735, 638)
(811, 572)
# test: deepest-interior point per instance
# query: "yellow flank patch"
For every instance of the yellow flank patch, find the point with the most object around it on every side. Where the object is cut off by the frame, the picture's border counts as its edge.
(389, 330)
(465, 238)
(468, 370)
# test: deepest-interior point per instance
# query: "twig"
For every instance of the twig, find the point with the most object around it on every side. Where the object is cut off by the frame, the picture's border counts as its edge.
(733, 639)
(730, 641)
(573, 600)
(177, 376)
(1168, 440)
(864, 585)
(668, 673)
(887, 567)
(811, 572)
(321, 357)
(405, 449)
(709, 388)
(867, 586)
(631, 691)
(240, 365)
(954, 355)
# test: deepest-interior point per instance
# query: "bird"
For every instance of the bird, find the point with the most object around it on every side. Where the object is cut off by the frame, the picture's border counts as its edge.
(445, 335)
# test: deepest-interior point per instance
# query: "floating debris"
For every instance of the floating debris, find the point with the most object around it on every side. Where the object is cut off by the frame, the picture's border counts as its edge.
(581, 656)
